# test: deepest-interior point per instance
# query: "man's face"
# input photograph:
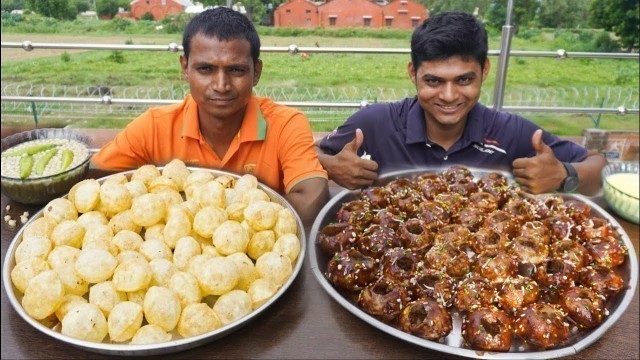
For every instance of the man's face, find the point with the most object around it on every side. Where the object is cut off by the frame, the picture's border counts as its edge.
(448, 89)
(221, 76)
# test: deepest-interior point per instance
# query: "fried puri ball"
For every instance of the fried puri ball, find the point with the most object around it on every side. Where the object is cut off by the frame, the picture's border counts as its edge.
(35, 246)
(185, 286)
(217, 275)
(275, 267)
(246, 270)
(95, 265)
(177, 171)
(105, 296)
(260, 291)
(43, 295)
(132, 275)
(230, 237)
(60, 209)
(232, 306)
(68, 232)
(85, 322)
(85, 195)
(178, 226)
(69, 302)
(26, 270)
(146, 174)
(286, 222)
(163, 270)
(162, 307)
(148, 209)
(124, 321)
(196, 319)
(39, 227)
(289, 245)
(150, 334)
(186, 248)
(207, 219)
(260, 215)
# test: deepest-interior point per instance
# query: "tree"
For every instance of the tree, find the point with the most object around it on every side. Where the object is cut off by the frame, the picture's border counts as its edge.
(524, 12)
(619, 16)
(10, 5)
(438, 6)
(57, 9)
(563, 13)
(107, 8)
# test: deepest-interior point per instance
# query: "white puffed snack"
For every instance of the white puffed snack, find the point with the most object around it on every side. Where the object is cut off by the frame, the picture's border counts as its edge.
(43, 295)
(186, 287)
(197, 319)
(95, 265)
(124, 221)
(163, 270)
(254, 195)
(235, 211)
(196, 263)
(60, 209)
(118, 179)
(227, 181)
(217, 276)
(178, 226)
(114, 198)
(230, 237)
(137, 296)
(162, 183)
(124, 321)
(286, 223)
(69, 302)
(85, 322)
(162, 307)
(207, 219)
(170, 197)
(86, 195)
(289, 245)
(275, 267)
(92, 217)
(191, 208)
(260, 243)
(246, 270)
(193, 182)
(35, 246)
(154, 249)
(260, 215)
(245, 183)
(176, 170)
(127, 240)
(26, 270)
(232, 306)
(186, 248)
(39, 227)
(260, 291)
(146, 174)
(62, 260)
(68, 232)
(129, 255)
(210, 194)
(150, 334)
(105, 296)
(154, 232)
(136, 188)
(99, 236)
(148, 209)
(132, 275)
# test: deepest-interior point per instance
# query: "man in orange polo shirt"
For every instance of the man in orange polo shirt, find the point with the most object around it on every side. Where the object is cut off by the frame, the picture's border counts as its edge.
(220, 124)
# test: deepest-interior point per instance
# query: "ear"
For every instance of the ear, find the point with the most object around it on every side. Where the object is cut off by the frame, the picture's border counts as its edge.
(184, 65)
(485, 69)
(257, 71)
(412, 72)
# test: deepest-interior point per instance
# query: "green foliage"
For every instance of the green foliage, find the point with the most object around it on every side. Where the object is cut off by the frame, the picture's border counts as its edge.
(438, 6)
(147, 16)
(620, 16)
(523, 14)
(107, 8)
(65, 57)
(117, 57)
(10, 5)
(175, 24)
(563, 13)
(604, 43)
(57, 9)
(10, 20)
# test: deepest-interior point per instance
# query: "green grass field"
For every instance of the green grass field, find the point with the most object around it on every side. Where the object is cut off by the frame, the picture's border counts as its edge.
(530, 81)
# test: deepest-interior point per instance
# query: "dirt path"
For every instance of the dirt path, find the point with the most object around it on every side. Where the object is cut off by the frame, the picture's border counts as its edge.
(11, 54)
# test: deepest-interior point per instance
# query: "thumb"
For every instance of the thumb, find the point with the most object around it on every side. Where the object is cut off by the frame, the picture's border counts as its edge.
(355, 144)
(538, 145)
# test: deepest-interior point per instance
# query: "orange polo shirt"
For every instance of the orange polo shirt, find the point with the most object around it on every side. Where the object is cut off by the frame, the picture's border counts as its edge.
(274, 143)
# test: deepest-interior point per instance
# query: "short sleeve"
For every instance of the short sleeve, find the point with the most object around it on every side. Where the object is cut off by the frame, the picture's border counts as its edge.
(128, 149)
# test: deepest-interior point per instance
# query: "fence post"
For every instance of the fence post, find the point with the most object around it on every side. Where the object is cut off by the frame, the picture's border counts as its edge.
(503, 60)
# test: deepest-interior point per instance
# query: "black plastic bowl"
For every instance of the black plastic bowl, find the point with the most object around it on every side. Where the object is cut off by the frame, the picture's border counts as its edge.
(44, 189)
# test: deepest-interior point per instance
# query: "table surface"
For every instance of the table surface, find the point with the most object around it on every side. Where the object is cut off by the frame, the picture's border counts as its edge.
(304, 323)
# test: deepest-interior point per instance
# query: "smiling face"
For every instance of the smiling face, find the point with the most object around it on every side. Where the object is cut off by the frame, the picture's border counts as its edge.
(221, 76)
(448, 90)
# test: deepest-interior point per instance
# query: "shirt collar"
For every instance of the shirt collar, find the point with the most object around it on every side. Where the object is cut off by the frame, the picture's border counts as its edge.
(253, 128)
(474, 130)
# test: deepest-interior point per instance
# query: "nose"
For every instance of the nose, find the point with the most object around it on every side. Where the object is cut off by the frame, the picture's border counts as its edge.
(220, 82)
(449, 92)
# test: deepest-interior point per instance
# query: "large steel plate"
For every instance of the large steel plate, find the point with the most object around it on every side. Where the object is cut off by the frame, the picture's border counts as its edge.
(179, 343)
(453, 343)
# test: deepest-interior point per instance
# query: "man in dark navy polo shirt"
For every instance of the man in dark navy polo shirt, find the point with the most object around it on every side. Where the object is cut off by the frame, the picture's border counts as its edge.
(444, 124)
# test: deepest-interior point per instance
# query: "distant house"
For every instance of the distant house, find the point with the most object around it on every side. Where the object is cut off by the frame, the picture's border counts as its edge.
(158, 8)
(398, 14)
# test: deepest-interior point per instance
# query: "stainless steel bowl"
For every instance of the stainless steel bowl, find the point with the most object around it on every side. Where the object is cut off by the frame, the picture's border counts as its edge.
(453, 344)
(179, 344)
(43, 189)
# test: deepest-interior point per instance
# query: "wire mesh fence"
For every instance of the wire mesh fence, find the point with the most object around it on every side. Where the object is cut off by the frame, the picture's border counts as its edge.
(118, 115)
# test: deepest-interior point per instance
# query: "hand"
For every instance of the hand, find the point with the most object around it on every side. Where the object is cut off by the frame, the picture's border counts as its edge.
(348, 169)
(542, 172)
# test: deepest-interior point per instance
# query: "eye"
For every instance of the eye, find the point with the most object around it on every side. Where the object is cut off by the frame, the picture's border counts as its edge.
(237, 71)
(465, 80)
(204, 69)
(432, 82)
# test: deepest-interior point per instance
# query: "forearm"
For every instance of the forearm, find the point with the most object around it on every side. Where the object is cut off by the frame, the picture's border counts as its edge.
(308, 197)
(589, 172)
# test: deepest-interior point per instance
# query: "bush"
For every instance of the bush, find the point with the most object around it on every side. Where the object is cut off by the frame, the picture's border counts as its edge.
(117, 57)
(604, 43)
(147, 16)
(65, 57)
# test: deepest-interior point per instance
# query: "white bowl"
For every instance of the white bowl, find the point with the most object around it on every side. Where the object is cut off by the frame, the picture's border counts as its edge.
(619, 197)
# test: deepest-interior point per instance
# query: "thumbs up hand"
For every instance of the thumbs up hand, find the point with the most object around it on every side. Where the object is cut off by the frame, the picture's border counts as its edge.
(541, 173)
(348, 169)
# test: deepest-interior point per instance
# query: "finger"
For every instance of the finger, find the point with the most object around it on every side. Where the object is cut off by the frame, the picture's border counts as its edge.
(520, 163)
(520, 174)
(538, 145)
(367, 174)
(370, 165)
(355, 144)
(360, 182)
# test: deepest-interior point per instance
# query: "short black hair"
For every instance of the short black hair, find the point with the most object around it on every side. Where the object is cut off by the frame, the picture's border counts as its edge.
(224, 24)
(449, 34)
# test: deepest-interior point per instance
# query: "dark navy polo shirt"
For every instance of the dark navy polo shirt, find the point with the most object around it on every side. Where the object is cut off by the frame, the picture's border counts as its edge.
(395, 135)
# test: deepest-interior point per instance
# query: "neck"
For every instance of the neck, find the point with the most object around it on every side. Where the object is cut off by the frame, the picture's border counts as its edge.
(219, 133)
(444, 135)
